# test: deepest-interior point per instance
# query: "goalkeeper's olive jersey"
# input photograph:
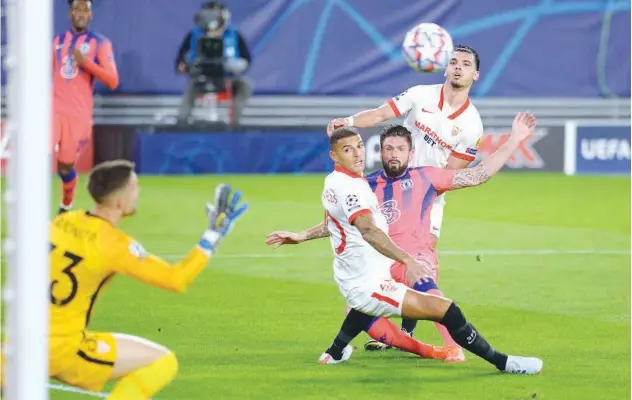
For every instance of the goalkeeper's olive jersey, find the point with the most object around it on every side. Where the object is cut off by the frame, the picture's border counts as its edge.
(86, 252)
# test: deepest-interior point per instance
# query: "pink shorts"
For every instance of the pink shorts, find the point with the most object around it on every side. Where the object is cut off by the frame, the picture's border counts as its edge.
(70, 136)
(398, 270)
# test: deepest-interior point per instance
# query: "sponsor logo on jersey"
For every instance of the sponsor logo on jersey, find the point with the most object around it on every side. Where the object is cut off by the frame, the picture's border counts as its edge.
(431, 136)
(330, 197)
(69, 68)
(471, 151)
(390, 211)
(388, 287)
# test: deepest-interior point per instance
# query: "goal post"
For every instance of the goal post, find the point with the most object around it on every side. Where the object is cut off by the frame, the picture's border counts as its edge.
(27, 197)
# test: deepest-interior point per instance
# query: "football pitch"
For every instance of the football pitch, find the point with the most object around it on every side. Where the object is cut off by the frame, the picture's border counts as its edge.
(540, 263)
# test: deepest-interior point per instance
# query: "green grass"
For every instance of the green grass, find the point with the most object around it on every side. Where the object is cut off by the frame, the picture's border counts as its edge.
(253, 325)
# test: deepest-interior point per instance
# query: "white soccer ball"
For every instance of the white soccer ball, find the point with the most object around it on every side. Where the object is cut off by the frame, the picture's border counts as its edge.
(427, 47)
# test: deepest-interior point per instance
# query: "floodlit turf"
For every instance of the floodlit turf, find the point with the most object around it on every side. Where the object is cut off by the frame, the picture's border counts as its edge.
(253, 325)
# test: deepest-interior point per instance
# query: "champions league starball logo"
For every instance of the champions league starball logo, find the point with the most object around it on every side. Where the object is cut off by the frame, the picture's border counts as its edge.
(390, 211)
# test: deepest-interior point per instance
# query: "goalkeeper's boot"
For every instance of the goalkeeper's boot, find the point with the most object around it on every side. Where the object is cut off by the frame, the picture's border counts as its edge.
(327, 358)
(523, 365)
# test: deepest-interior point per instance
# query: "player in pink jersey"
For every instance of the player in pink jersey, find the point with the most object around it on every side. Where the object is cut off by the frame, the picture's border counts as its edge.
(79, 58)
(406, 197)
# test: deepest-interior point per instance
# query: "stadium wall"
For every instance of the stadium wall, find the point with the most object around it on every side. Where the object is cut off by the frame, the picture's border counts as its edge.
(294, 151)
(577, 147)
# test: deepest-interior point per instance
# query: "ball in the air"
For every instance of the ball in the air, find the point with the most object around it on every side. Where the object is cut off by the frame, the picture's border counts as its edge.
(427, 47)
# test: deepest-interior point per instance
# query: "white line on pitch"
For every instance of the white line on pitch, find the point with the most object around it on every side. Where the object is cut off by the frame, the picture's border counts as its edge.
(536, 252)
(71, 389)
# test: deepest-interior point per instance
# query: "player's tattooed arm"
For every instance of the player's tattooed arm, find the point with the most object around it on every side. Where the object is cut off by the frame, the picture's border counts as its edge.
(470, 177)
(523, 128)
(316, 232)
(380, 240)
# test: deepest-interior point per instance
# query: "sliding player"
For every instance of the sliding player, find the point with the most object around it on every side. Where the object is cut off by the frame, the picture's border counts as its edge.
(446, 129)
(87, 250)
(400, 194)
(79, 58)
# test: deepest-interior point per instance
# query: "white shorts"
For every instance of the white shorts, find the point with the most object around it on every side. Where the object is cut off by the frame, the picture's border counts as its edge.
(436, 216)
(384, 299)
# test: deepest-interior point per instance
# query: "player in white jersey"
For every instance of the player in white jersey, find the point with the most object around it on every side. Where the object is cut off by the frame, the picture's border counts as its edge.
(364, 252)
(347, 196)
(446, 129)
(358, 266)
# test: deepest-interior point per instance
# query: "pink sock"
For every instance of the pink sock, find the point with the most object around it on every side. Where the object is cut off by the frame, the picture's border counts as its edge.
(447, 339)
(387, 332)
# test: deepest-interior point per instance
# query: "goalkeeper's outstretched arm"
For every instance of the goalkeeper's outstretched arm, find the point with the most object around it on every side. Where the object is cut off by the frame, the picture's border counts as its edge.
(129, 258)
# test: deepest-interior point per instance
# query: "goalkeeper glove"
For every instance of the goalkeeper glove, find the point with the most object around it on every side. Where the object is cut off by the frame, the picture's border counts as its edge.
(221, 215)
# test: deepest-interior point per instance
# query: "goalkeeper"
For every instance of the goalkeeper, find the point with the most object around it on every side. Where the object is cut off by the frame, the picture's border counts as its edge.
(87, 250)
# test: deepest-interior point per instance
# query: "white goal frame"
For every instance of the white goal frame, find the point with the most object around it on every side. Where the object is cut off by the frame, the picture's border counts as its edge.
(27, 197)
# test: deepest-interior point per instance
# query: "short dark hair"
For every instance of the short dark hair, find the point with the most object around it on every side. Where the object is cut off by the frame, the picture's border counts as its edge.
(396, 131)
(70, 2)
(341, 133)
(467, 49)
(108, 177)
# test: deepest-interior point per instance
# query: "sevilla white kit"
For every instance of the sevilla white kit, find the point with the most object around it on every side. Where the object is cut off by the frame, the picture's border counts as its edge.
(438, 132)
(361, 272)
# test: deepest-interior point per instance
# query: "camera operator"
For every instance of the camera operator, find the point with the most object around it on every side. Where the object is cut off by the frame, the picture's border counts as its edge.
(213, 54)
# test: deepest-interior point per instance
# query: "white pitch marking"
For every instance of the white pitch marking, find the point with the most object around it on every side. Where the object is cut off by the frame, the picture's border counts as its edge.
(536, 252)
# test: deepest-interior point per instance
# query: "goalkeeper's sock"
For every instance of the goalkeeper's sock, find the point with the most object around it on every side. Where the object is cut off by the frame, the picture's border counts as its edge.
(68, 187)
(385, 331)
(147, 381)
